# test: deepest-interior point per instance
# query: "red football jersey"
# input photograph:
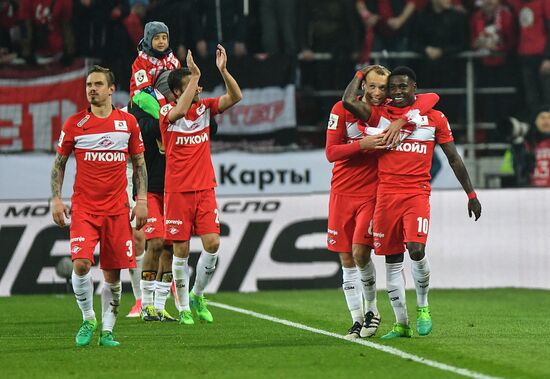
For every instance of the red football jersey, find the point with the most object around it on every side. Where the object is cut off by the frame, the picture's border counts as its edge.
(406, 169)
(354, 171)
(145, 70)
(187, 145)
(101, 147)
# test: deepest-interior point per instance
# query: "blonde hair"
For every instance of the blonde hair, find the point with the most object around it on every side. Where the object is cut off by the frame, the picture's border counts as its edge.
(378, 69)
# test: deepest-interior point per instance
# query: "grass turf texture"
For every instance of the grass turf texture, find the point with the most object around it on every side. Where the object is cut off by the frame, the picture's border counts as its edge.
(499, 333)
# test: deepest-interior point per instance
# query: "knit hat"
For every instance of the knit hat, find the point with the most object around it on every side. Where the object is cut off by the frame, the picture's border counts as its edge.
(152, 29)
(162, 83)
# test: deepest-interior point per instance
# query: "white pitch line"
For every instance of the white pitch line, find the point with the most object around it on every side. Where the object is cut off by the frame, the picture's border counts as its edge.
(384, 348)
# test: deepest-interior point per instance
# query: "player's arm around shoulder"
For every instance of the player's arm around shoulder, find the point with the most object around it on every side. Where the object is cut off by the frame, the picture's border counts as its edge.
(233, 92)
(360, 109)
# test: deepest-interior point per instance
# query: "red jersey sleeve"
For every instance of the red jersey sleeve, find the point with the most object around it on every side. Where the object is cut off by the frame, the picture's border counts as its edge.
(140, 74)
(336, 147)
(66, 142)
(164, 121)
(425, 102)
(213, 104)
(443, 133)
(135, 144)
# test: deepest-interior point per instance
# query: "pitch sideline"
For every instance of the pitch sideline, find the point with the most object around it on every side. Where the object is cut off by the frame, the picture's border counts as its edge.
(384, 348)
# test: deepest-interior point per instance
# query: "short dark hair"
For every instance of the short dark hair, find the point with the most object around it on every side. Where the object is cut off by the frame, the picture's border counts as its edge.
(175, 77)
(404, 70)
(104, 70)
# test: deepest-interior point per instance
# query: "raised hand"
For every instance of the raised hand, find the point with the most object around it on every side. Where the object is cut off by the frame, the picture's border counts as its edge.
(192, 65)
(221, 58)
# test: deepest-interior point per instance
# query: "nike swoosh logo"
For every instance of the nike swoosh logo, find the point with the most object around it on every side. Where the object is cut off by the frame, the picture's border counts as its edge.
(392, 290)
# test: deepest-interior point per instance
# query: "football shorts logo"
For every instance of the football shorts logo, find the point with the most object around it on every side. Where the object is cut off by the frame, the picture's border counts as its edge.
(149, 230)
(141, 77)
(61, 136)
(76, 249)
(83, 121)
(331, 241)
(173, 230)
(121, 125)
(106, 142)
(333, 121)
(201, 109)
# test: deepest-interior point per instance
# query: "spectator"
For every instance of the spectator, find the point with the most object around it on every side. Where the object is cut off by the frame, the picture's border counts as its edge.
(222, 22)
(440, 33)
(47, 30)
(531, 155)
(182, 19)
(278, 22)
(134, 22)
(493, 30)
(8, 20)
(534, 49)
(328, 27)
(387, 25)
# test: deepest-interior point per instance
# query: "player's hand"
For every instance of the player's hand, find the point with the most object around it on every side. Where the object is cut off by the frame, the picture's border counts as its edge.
(192, 65)
(59, 211)
(372, 142)
(140, 214)
(474, 207)
(392, 135)
(221, 58)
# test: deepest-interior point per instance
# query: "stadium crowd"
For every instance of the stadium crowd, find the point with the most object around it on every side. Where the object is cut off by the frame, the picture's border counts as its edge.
(326, 40)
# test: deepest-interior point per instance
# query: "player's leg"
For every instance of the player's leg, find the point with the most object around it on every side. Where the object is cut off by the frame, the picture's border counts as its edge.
(207, 226)
(116, 253)
(163, 285)
(416, 225)
(180, 209)
(341, 226)
(367, 275)
(388, 241)
(84, 236)
(148, 278)
(206, 266)
(361, 250)
(135, 273)
(110, 301)
(180, 273)
(352, 294)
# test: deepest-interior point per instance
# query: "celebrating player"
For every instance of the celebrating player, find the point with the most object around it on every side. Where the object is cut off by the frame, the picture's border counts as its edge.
(402, 212)
(101, 137)
(190, 202)
(353, 192)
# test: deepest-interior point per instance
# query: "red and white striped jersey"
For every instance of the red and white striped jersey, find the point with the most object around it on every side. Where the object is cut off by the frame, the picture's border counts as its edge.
(101, 147)
(406, 169)
(187, 145)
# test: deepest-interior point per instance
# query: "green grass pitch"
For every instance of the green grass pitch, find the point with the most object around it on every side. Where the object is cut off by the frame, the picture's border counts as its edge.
(497, 333)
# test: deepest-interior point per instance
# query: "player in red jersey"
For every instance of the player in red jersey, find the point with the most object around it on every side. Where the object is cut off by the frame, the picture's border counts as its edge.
(101, 137)
(353, 193)
(189, 200)
(402, 213)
